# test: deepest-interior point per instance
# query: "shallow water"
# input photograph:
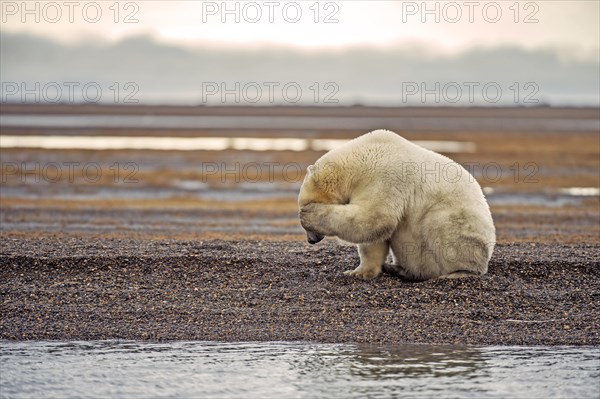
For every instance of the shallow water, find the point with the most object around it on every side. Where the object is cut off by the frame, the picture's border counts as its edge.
(201, 143)
(570, 196)
(278, 369)
(303, 122)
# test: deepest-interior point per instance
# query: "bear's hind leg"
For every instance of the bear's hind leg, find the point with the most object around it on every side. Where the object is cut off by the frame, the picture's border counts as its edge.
(372, 258)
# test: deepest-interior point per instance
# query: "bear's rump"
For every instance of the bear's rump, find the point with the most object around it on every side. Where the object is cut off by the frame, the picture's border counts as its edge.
(439, 243)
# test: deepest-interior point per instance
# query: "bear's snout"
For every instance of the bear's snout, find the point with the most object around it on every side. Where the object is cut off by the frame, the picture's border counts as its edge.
(313, 238)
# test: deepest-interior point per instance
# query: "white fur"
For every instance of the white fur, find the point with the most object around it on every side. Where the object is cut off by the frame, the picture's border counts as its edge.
(383, 192)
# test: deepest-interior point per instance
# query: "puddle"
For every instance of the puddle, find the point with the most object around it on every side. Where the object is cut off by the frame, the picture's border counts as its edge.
(202, 143)
(568, 196)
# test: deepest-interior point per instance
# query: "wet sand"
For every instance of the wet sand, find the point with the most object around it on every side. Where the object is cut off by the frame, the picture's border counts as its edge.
(177, 254)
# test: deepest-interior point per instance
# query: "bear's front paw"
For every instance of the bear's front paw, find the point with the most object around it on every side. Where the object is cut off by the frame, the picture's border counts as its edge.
(309, 217)
(363, 273)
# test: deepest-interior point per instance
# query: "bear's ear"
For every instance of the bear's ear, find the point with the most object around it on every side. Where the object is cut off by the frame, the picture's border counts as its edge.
(310, 170)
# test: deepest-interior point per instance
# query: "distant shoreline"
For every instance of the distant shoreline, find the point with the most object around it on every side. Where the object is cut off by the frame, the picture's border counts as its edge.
(295, 110)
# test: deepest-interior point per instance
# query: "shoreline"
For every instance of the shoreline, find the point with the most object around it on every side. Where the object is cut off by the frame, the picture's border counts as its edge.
(301, 110)
(232, 291)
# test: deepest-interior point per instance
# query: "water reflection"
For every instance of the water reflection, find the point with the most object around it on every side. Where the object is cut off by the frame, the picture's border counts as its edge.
(408, 361)
(279, 369)
(202, 143)
(381, 371)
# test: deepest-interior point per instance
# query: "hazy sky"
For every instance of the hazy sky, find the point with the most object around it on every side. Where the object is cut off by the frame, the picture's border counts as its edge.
(570, 26)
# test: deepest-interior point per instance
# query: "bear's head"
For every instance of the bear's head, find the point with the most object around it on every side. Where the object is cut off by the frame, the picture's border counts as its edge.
(319, 187)
(315, 188)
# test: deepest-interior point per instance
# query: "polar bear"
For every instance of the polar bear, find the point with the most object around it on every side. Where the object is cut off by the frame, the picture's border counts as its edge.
(383, 192)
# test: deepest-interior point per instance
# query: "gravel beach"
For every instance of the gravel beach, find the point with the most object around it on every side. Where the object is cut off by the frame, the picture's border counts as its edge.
(76, 289)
